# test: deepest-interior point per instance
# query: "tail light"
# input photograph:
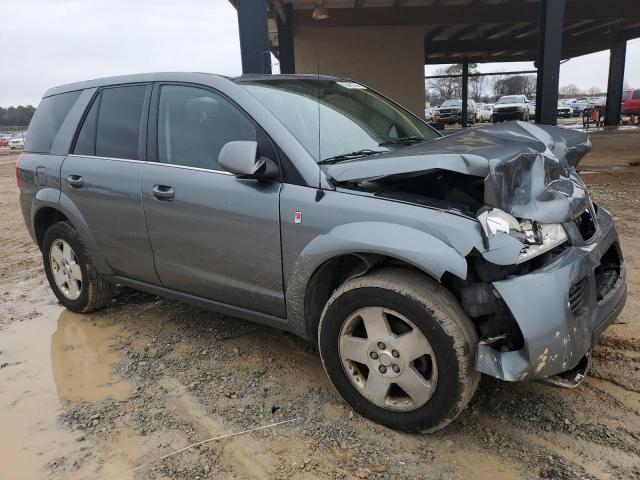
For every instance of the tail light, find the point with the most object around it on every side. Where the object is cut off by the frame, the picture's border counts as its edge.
(18, 170)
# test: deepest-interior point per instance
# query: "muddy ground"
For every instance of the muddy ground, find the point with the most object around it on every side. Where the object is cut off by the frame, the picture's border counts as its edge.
(95, 396)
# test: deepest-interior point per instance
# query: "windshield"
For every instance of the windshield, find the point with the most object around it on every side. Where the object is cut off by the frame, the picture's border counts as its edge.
(331, 118)
(452, 103)
(511, 99)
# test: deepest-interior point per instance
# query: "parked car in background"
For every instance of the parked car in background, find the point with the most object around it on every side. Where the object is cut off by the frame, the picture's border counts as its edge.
(17, 141)
(415, 262)
(511, 107)
(599, 101)
(571, 102)
(479, 106)
(564, 110)
(631, 104)
(580, 106)
(4, 140)
(450, 112)
(428, 114)
(532, 109)
(486, 113)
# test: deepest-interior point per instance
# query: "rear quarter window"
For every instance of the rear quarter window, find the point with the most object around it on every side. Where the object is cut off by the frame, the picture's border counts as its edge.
(47, 120)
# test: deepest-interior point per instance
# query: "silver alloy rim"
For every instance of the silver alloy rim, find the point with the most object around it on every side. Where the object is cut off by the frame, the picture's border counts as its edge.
(388, 359)
(65, 269)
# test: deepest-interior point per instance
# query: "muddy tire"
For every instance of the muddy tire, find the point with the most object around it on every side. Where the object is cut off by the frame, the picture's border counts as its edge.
(423, 349)
(70, 271)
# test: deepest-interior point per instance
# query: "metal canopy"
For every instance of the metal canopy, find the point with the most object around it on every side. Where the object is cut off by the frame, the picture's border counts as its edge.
(476, 31)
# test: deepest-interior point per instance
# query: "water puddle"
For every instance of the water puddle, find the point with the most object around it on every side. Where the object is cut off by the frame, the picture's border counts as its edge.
(82, 360)
(55, 358)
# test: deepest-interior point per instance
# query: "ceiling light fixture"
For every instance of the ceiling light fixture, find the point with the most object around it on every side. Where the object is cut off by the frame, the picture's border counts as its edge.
(320, 12)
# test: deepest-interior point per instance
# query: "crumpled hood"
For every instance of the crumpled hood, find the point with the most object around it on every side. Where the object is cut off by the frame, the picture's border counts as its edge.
(529, 170)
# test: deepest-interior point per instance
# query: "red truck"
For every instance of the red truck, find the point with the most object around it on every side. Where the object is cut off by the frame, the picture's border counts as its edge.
(631, 102)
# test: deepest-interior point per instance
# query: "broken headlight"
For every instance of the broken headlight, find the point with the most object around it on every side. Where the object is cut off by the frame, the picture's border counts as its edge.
(536, 238)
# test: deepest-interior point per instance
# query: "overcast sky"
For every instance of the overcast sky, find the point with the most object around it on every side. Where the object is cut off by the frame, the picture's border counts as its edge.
(51, 42)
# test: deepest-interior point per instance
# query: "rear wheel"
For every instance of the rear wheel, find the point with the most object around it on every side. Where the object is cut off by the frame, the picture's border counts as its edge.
(399, 349)
(70, 271)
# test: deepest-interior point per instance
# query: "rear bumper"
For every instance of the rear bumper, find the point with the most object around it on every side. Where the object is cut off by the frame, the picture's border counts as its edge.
(557, 337)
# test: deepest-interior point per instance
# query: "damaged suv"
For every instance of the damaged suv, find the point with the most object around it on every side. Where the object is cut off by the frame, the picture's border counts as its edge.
(315, 205)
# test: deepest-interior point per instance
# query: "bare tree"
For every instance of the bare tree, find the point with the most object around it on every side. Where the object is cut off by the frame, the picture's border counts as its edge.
(440, 89)
(570, 90)
(477, 88)
(514, 85)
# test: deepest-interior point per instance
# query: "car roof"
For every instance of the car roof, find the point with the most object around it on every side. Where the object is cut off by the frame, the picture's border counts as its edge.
(304, 76)
(191, 77)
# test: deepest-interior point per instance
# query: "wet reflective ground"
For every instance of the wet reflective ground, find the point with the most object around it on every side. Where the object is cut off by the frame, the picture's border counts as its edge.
(56, 358)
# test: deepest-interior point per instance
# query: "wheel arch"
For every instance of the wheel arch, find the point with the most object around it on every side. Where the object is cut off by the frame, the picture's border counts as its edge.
(46, 212)
(357, 247)
(43, 218)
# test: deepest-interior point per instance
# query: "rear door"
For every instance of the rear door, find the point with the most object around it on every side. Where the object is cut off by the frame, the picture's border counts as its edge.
(101, 178)
(213, 235)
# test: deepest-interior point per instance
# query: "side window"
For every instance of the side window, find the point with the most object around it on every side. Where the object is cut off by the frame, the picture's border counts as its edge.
(47, 120)
(636, 95)
(86, 141)
(194, 124)
(111, 128)
(118, 132)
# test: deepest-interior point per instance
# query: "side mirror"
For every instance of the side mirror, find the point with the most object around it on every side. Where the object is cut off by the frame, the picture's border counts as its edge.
(241, 158)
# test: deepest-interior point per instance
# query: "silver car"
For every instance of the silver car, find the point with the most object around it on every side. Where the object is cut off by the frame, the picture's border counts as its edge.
(315, 205)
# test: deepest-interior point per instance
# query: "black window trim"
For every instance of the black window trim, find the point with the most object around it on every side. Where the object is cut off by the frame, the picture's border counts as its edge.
(144, 120)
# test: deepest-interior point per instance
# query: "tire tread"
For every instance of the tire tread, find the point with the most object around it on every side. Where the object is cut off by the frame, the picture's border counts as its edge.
(446, 310)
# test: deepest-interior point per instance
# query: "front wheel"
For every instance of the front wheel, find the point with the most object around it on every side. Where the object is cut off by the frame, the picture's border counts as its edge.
(399, 349)
(70, 271)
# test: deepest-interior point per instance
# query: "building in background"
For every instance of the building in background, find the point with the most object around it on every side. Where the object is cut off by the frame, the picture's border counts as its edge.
(386, 43)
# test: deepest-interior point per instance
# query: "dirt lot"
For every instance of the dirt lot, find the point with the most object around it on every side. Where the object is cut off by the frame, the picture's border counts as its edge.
(94, 396)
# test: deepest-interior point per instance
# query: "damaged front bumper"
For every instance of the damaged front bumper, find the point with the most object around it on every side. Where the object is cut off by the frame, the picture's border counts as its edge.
(561, 308)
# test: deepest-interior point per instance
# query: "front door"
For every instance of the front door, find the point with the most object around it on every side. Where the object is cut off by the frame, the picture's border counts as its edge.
(101, 178)
(213, 235)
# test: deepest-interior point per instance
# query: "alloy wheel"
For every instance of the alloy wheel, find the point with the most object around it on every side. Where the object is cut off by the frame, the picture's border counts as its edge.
(65, 269)
(388, 359)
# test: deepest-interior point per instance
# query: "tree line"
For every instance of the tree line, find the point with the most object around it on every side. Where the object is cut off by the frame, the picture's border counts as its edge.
(16, 116)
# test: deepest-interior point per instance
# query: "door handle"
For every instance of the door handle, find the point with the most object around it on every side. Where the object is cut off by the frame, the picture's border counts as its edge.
(164, 192)
(75, 181)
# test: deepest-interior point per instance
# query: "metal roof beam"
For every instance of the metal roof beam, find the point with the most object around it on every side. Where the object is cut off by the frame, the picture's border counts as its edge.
(529, 43)
(466, 14)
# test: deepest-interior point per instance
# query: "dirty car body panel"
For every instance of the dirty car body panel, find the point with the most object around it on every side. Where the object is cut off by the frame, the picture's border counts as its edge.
(417, 204)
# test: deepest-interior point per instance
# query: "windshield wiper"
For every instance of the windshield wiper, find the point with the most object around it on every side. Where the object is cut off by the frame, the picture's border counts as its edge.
(403, 140)
(349, 156)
